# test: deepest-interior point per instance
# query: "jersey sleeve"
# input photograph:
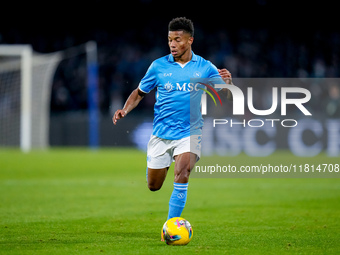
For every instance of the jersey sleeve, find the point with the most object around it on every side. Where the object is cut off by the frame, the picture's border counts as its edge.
(213, 73)
(214, 76)
(148, 82)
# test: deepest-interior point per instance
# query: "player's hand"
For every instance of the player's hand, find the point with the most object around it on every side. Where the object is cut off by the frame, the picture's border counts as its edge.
(225, 75)
(118, 115)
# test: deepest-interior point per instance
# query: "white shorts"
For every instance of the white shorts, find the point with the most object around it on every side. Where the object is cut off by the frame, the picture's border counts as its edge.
(161, 152)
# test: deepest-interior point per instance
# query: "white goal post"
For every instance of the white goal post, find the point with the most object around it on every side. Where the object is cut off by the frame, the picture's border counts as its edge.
(26, 79)
(24, 52)
(25, 87)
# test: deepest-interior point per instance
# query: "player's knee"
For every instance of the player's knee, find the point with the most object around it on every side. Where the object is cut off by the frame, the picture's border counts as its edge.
(183, 175)
(154, 187)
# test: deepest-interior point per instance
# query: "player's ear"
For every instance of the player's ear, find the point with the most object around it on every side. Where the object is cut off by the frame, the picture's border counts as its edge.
(191, 40)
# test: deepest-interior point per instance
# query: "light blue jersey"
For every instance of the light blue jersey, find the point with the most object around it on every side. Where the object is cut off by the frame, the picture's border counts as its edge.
(175, 115)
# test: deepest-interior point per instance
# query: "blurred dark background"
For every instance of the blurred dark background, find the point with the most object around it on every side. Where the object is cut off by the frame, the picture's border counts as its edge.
(258, 38)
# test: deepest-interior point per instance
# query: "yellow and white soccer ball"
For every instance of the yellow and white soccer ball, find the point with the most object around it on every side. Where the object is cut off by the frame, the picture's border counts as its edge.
(177, 231)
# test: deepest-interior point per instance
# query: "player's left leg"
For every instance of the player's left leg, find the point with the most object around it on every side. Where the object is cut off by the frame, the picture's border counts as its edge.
(184, 163)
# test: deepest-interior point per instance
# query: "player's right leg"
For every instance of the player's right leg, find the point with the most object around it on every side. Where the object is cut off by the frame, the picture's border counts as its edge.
(156, 178)
(158, 161)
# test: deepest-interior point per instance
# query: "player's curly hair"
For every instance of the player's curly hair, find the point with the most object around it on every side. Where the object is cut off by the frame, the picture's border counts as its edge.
(182, 24)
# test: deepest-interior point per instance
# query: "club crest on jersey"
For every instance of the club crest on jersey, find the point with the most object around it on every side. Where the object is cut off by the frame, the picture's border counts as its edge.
(197, 74)
(168, 86)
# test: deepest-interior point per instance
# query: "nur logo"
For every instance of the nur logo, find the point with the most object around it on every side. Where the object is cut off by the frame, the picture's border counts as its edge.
(213, 90)
(238, 99)
(204, 97)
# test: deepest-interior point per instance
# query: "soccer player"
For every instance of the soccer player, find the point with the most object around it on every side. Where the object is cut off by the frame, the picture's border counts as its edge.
(173, 131)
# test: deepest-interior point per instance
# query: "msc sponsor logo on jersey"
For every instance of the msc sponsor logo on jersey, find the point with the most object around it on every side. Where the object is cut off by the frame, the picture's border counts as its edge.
(181, 87)
(168, 86)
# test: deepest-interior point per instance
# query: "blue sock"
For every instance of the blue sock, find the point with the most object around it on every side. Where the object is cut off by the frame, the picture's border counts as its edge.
(177, 200)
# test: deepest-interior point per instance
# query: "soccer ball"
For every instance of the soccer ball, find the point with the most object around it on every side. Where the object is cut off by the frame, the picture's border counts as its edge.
(177, 231)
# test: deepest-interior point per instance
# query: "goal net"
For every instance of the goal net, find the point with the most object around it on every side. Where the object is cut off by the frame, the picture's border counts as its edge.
(26, 79)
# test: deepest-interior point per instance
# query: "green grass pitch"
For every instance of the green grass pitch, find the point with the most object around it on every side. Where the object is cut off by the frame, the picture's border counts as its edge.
(76, 201)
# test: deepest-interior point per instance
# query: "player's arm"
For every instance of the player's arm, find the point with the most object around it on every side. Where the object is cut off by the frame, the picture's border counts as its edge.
(135, 97)
(226, 77)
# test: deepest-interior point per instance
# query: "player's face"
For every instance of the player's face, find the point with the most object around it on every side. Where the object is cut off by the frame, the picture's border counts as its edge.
(179, 43)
